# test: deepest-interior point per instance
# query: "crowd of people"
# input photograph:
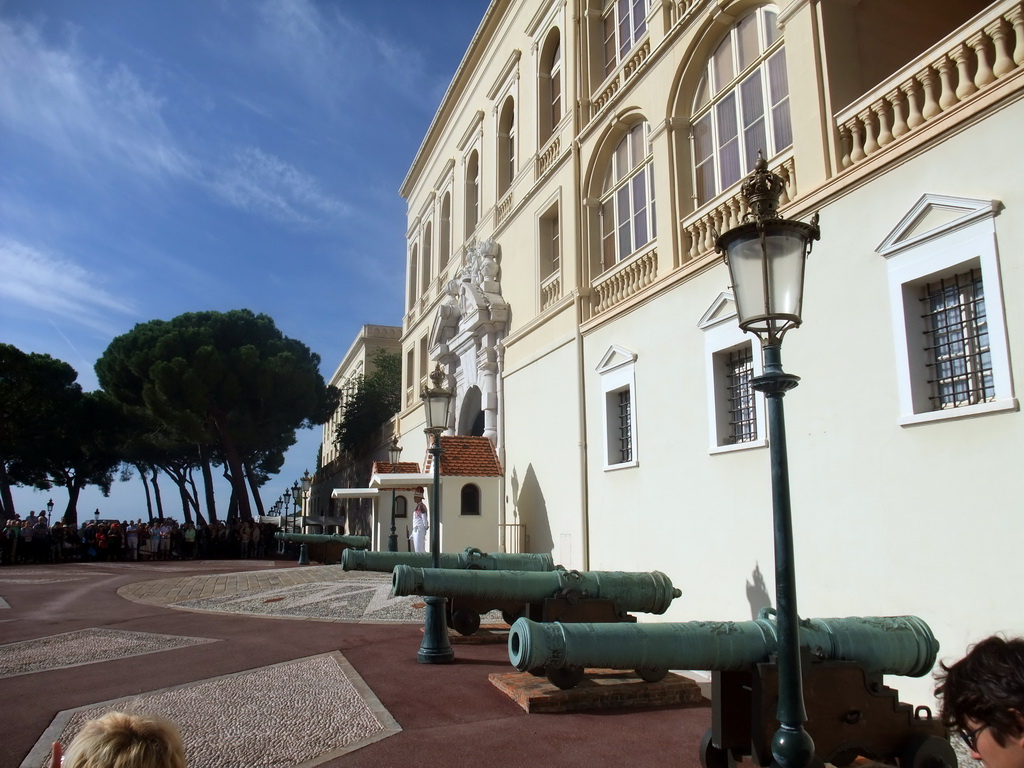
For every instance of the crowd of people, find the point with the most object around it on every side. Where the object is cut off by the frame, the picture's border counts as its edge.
(33, 540)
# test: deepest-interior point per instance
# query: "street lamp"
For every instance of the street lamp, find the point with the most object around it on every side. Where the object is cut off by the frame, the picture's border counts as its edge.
(296, 495)
(97, 515)
(307, 483)
(49, 511)
(394, 454)
(766, 256)
(437, 401)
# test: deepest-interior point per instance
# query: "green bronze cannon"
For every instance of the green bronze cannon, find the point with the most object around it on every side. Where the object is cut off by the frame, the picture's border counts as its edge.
(850, 712)
(558, 595)
(472, 558)
(328, 548)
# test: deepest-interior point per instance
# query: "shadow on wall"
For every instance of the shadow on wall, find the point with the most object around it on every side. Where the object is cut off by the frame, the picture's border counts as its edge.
(360, 518)
(532, 510)
(757, 592)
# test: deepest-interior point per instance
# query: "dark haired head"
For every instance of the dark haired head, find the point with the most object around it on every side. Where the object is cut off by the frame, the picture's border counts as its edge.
(987, 686)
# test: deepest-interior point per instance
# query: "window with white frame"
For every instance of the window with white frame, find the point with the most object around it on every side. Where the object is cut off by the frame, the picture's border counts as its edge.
(444, 240)
(472, 193)
(741, 105)
(426, 266)
(736, 417)
(506, 146)
(549, 93)
(625, 23)
(550, 242)
(618, 387)
(945, 292)
(628, 220)
(413, 276)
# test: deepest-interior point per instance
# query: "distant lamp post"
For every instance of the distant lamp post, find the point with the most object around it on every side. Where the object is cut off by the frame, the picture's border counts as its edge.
(307, 483)
(437, 401)
(766, 256)
(296, 491)
(394, 455)
(96, 514)
(49, 511)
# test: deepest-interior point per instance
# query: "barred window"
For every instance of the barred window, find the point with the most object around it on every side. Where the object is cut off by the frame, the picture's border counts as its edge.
(956, 341)
(739, 365)
(625, 427)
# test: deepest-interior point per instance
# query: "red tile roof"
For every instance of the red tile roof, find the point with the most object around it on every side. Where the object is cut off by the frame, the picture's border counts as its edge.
(466, 456)
(401, 468)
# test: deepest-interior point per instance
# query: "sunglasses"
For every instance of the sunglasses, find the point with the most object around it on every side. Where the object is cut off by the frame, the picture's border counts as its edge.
(971, 737)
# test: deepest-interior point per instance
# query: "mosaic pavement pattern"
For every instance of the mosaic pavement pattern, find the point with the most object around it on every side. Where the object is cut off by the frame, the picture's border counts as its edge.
(339, 714)
(87, 646)
(325, 593)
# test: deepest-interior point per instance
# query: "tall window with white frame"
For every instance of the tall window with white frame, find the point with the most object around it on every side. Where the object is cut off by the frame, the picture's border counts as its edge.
(506, 146)
(741, 105)
(627, 202)
(472, 193)
(956, 341)
(444, 233)
(618, 385)
(550, 243)
(625, 23)
(413, 277)
(738, 369)
(550, 90)
(425, 265)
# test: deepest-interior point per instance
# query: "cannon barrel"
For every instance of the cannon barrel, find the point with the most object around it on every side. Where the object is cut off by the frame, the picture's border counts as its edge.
(650, 592)
(352, 560)
(898, 645)
(361, 542)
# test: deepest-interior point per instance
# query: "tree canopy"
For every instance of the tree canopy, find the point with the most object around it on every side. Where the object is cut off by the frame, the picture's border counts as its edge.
(377, 397)
(230, 380)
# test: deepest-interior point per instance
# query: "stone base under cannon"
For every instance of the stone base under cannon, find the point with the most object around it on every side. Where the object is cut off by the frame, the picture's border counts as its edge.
(602, 689)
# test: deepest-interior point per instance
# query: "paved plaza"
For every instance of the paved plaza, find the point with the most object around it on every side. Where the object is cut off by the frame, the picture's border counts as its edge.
(265, 663)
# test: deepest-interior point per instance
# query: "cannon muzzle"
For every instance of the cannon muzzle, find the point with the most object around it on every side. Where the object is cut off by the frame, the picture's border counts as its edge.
(650, 592)
(360, 542)
(897, 645)
(385, 562)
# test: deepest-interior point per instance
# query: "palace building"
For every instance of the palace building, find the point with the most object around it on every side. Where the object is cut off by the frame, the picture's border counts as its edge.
(562, 213)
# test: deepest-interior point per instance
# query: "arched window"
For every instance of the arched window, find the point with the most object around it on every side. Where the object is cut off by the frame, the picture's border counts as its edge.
(625, 22)
(550, 91)
(444, 243)
(472, 193)
(506, 146)
(401, 506)
(627, 198)
(741, 105)
(425, 267)
(413, 272)
(470, 499)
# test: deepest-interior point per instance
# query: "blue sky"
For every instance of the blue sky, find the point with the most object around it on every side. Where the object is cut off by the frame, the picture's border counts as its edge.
(159, 158)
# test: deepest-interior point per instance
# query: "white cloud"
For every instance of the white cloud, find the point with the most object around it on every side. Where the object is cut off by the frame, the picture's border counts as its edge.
(38, 281)
(261, 183)
(90, 114)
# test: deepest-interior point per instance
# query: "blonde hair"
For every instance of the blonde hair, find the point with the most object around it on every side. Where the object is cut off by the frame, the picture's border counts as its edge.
(126, 740)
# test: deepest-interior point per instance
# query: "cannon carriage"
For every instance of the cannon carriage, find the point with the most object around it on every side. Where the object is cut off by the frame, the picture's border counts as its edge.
(850, 712)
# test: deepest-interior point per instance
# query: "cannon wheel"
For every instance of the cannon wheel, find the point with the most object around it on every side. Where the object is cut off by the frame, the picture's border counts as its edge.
(652, 674)
(712, 756)
(509, 617)
(465, 622)
(564, 677)
(928, 752)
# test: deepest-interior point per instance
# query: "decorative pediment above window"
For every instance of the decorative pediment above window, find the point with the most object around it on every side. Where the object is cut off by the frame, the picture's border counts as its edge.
(935, 216)
(615, 357)
(723, 308)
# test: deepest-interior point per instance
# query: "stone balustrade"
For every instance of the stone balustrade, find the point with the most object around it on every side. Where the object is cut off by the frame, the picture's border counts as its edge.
(624, 280)
(547, 157)
(952, 72)
(503, 209)
(700, 229)
(550, 290)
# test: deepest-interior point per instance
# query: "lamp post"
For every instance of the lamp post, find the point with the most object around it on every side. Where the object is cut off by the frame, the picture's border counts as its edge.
(96, 514)
(307, 483)
(437, 401)
(49, 511)
(766, 256)
(394, 454)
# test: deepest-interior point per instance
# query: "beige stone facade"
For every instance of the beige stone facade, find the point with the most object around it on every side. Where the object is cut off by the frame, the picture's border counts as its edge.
(562, 213)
